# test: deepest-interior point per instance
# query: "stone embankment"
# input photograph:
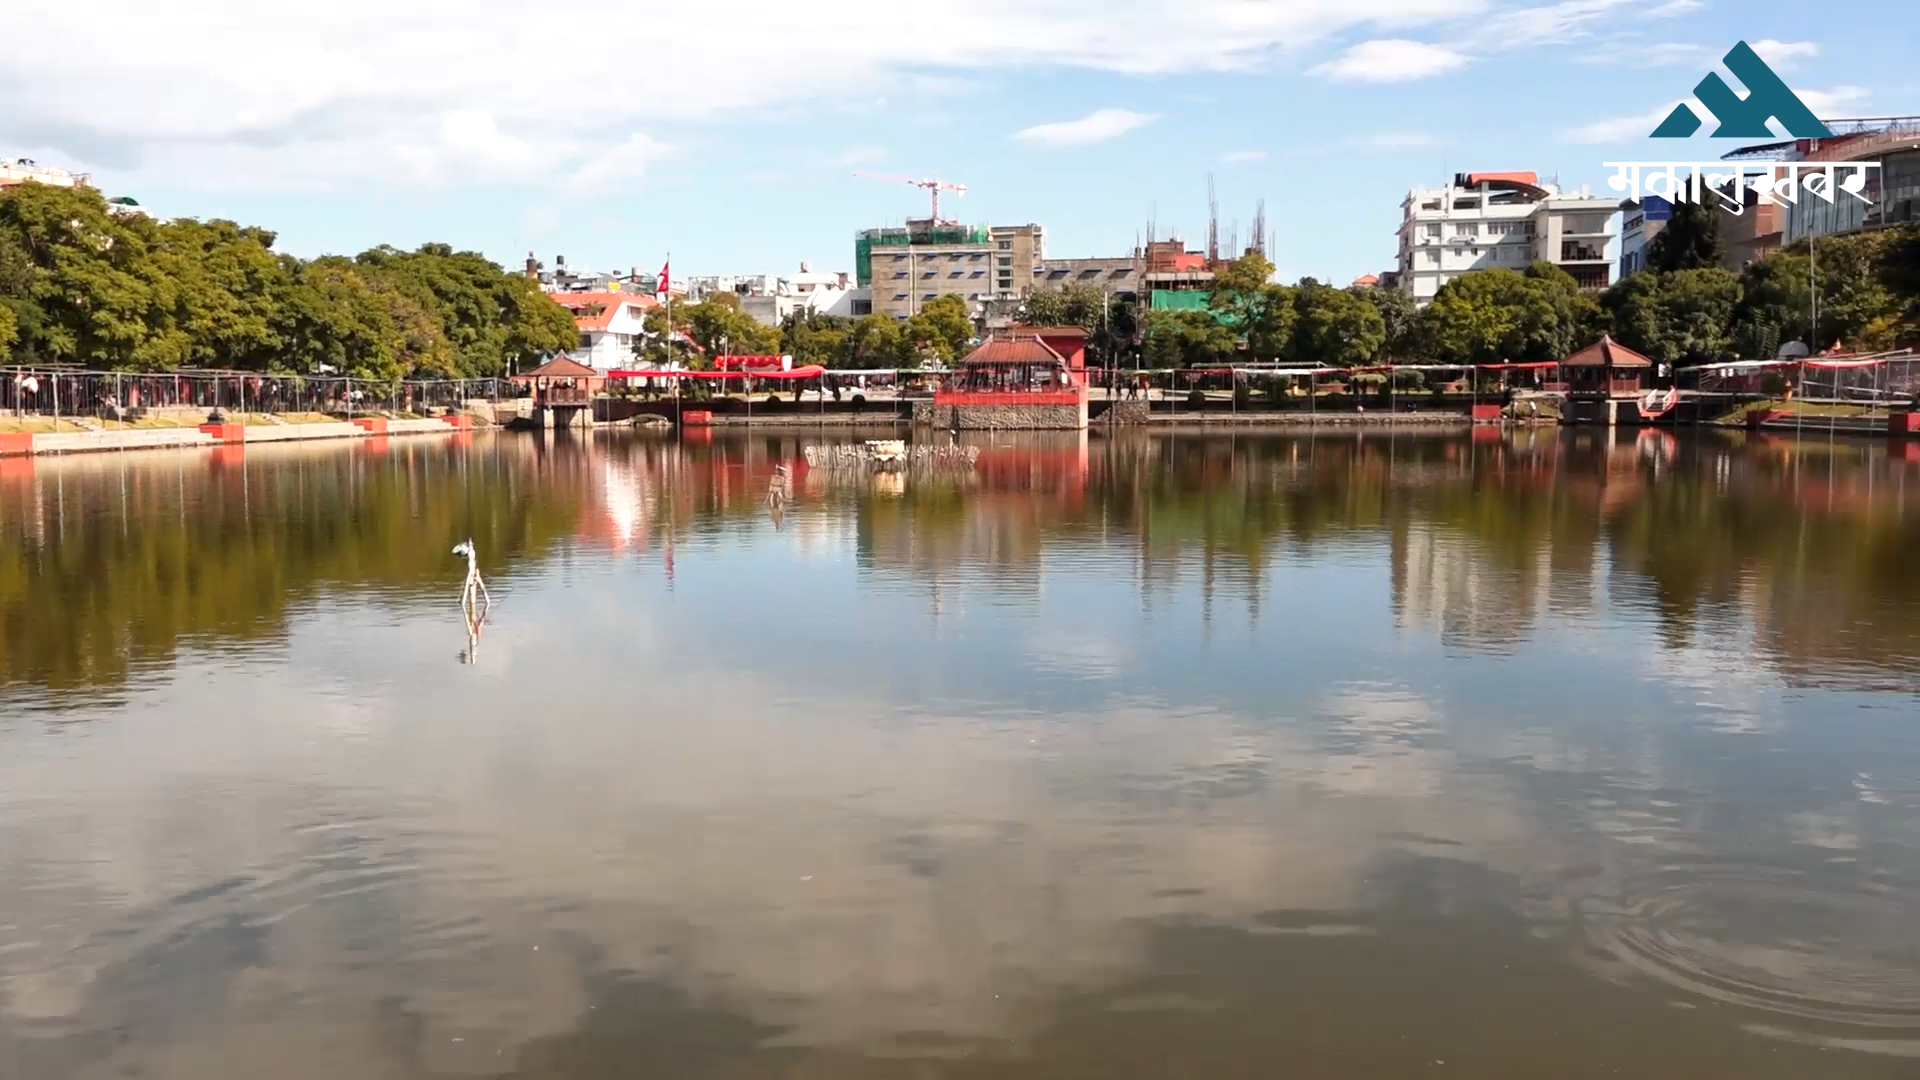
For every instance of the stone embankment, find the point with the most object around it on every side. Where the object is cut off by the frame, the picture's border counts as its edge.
(78, 442)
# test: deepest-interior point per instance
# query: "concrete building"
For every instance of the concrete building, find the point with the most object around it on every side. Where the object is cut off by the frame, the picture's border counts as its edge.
(609, 323)
(1640, 222)
(1511, 219)
(1892, 192)
(565, 279)
(28, 171)
(927, 259)
(772, 300)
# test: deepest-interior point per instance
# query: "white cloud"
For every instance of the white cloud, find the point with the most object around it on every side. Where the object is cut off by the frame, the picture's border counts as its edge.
(1826, 104)
(1236, 156)
(1390, 60)
(1829, 104)
(1621, 128)
(1552, 24)
(355, 91)
(1780, 55)
(626, 161)
(1639, 53)
(1393, 140)
(1097, 126)
(1675, 8)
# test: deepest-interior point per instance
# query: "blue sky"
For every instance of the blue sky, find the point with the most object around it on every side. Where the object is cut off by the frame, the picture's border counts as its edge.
(729, 134)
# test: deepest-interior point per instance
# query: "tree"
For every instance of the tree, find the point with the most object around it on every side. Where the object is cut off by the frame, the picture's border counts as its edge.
(1334, 326)
(1489, 316)
(1187, 339)
(1682, 318)
(1690, 240)
(941, 330)
(537, 327)
(1270, 323)
(813, 338)
(878, 341)
(9, 328)
(1398, 317)
(92, 283)
(717, 325)
(1110, 321)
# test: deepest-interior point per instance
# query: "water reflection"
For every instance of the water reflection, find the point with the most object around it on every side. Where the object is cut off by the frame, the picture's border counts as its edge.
(1533, 755)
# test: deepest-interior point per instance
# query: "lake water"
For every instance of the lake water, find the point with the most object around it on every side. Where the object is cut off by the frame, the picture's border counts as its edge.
(1535, 755)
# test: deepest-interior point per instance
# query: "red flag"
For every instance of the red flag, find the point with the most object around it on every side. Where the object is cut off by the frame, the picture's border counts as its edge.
(660, 287)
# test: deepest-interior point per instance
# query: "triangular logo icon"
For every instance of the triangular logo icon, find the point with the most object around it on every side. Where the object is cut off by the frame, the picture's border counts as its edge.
(1768, 98)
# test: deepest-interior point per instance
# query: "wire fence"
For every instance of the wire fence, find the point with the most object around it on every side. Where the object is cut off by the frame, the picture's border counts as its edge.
(1868, 383)
(128, 395)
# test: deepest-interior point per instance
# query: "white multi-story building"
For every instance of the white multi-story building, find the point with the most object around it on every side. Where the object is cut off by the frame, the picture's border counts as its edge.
(770, 300)
(609, 323)
(1510, 219)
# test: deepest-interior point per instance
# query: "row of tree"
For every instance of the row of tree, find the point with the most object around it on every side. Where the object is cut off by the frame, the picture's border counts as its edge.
(84, 281)
(1860, 291)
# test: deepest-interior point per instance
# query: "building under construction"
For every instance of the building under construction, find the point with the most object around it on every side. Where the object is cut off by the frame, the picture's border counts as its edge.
(995, 267)
(906, 267)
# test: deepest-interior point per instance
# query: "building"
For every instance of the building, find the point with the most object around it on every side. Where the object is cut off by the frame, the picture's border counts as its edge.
(563, 279)
(1754, 232)
(1892, 192)
(1640, 222)
(771, 300)
(609, 323)
(927, 259)
(28, 171)
(1511, 219)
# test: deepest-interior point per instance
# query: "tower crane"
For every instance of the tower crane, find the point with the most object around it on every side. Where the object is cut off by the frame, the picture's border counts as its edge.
(934, 187)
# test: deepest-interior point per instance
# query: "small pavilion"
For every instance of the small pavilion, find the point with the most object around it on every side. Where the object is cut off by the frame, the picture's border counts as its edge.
(562, 381)
(1605, 368)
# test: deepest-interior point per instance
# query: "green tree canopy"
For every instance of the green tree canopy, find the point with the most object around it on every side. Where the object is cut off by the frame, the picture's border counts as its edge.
(1690, 240)
(93, 284)
(1187, 339)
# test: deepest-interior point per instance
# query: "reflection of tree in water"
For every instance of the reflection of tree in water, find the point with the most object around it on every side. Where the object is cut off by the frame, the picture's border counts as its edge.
(107, 564)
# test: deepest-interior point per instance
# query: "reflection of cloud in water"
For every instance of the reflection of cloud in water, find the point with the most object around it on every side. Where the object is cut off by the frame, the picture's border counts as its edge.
(1078, 655)
(847, 875)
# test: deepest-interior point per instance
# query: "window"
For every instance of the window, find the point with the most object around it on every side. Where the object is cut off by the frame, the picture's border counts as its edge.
(957, 273)
(931, 273)
(1433, 258)
(1499, 228)
(1467, 228)
(1433, 231)
(900, 257)
(1123, 272)
(978, 273)
(1004, 260)
(1005, 245)
(931, 296)
(586, 341)
(976, 256)
(899, 273)
(899, 296)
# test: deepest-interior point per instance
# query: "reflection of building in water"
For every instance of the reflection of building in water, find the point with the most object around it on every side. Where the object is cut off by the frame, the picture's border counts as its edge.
(988, 525)
(1447, 582)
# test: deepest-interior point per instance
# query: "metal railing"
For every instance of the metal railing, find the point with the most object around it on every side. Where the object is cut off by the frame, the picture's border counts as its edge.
(130, 395)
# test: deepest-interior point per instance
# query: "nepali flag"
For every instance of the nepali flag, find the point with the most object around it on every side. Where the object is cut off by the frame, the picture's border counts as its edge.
(660, 287)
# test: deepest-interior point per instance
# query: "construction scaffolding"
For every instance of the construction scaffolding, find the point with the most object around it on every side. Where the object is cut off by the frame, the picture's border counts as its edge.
(923, 233)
